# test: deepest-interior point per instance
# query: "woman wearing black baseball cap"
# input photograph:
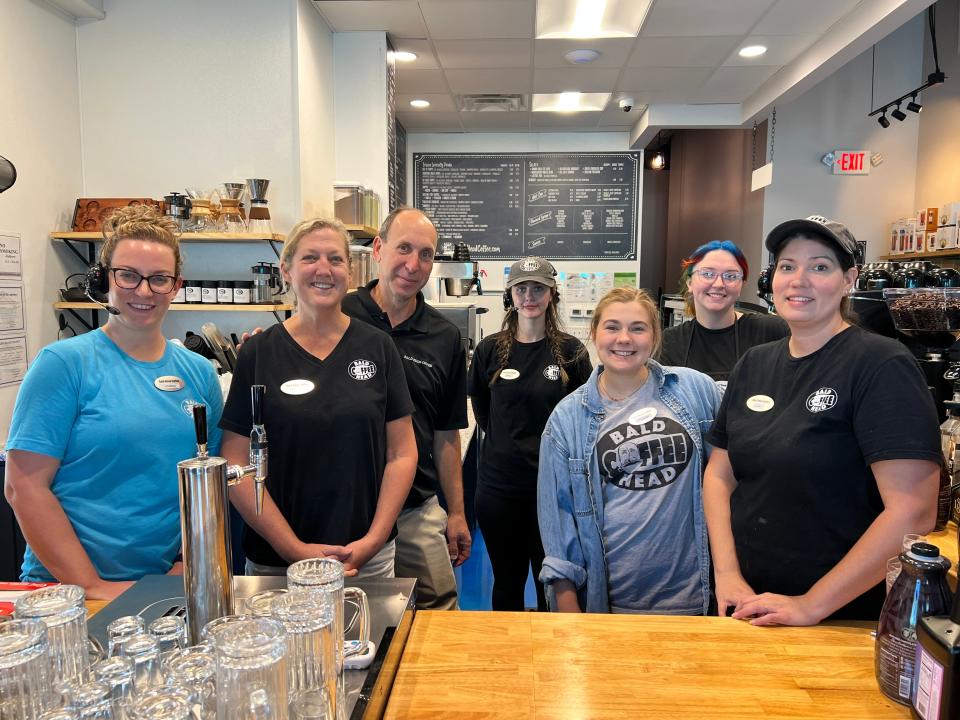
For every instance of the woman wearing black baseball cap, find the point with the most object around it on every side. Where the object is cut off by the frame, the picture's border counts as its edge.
(826, 449)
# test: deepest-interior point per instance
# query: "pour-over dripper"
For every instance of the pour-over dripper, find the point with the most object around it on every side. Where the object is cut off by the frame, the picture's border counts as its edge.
(233, 190)
(257, 187)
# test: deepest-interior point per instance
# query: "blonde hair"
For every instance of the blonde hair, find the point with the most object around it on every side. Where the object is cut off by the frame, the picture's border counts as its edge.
(630, 295)
(140, 222)
(304, 228)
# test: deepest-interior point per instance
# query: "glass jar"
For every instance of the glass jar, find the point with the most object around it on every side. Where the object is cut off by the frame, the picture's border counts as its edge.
(25, 669)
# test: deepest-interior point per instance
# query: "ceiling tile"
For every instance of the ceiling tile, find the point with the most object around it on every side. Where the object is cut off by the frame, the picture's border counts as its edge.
(807, 17)
(732, 84)
(703, 17)
(438, 103)
(495, 120)
(781, 49)
(613, 52)
(397, 17)
(420, 81)
(588, 79)
(561, 121)
(425, 59)
(503, 80)
(430, 122)
(674, 79)
(682, 51)
(450, 20)
(483, 53)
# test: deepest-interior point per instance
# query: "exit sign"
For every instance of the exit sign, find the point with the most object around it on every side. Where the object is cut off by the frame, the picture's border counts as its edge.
(851, 162)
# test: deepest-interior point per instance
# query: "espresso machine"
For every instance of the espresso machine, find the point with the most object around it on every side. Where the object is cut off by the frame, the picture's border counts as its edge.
(205, 518)
(453, 277)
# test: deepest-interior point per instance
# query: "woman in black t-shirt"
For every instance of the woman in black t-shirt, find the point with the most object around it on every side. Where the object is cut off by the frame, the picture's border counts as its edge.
(826, 450)
(517, 377)
(718, 335)
(338, 417)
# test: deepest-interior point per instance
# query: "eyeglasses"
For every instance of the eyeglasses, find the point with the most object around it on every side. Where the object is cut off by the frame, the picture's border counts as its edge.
(729, 278)
(131, 279)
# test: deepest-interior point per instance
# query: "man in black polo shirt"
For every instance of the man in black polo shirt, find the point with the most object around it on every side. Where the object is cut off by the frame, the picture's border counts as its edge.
(430, 542)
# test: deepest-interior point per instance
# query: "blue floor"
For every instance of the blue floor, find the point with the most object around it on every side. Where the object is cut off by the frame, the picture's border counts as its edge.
(475, 579)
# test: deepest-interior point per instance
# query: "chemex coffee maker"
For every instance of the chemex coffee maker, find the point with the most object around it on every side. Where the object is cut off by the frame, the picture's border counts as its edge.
(454, 274)
(259, 220)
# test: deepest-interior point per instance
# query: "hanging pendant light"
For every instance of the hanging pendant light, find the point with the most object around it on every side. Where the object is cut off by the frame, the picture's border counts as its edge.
(8, 174)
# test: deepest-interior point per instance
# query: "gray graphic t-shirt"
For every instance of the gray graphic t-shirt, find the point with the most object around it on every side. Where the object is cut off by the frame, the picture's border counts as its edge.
(645, 457)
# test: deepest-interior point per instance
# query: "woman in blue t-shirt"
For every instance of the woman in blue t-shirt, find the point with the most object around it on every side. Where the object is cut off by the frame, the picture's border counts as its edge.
(102, 419)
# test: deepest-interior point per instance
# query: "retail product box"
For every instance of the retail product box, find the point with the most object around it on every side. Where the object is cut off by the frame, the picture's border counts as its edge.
(946, 237)
(949, 213)
(912, 238)
(930, 240)
(895, 229)
(933, 219)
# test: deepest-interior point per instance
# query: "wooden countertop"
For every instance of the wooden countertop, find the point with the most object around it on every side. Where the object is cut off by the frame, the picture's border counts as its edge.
(547, 665)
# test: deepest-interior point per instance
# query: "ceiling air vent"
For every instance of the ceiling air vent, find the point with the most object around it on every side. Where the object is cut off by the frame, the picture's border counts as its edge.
(492, 103)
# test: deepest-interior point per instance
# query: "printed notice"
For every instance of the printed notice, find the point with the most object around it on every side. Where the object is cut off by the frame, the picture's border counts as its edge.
(10, 254)
(13, 359)
(11, 309)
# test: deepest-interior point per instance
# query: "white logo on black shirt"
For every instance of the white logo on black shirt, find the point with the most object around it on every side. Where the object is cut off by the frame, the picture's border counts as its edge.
(552, 372)
(362, 369)
(822, 399)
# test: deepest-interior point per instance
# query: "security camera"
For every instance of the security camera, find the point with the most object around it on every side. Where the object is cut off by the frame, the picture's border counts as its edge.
(626, 104)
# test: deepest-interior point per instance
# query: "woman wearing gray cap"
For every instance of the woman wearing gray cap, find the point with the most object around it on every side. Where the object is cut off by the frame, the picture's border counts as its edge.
(826, 449)
(517, 377)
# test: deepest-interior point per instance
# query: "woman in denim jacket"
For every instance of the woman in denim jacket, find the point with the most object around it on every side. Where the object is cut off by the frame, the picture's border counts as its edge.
(621, 466)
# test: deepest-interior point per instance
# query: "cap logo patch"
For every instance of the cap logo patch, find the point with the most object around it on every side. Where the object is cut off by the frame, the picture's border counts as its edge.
(530, 265)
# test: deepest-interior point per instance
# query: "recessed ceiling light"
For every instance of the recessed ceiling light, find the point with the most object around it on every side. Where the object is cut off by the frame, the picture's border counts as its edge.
(404, 56)
(579, 57)
(570, 102)
(420, 103)
(752, 51)
(590, 18)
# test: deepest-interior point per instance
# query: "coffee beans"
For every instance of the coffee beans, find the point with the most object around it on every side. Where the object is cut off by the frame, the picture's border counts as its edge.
(925, 310)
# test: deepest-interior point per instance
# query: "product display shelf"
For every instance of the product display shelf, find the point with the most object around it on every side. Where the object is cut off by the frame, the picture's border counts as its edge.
(362, 232)
(907, 257)
(214, 307)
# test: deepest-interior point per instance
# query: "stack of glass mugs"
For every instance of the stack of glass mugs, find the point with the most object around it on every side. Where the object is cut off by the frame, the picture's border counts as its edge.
(282, 660)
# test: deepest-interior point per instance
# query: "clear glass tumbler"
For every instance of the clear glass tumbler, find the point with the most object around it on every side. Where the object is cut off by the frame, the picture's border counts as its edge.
(311, 705)
(252, 669)
(213, 627)
(121, 630)
(261, 604)
(170, 632)
(195, 669)
(25, 669)
(91, 701)
(311, 660)
(145, 653)
(59, 714)
(117, 674)
(61, 609)
(162, 704)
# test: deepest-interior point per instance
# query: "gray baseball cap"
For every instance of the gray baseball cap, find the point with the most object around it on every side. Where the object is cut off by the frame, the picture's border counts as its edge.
(833, 231)
(532, 268)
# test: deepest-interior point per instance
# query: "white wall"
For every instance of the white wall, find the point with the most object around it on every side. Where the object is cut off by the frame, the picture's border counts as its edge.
(833, 115)
(361, 110)
(40, 134)
(523, 142)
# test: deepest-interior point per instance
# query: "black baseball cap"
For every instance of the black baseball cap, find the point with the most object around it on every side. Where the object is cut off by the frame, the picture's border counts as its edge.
(834, 232)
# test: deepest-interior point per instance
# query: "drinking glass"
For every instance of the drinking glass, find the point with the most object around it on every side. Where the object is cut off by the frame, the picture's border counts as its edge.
(170, 633)
(59, 714)
(252, 669)
(195, 669)
(91, 701)
(121, 630)
(25, 669)
(910, 538)
(261, 604)
(145, 653)
(213, 627)
(166, 703)
(311, 656)
(61, 609)
(311, 705)
(117, 674)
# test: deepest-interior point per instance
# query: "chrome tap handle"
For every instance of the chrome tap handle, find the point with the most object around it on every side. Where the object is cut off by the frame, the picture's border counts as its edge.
(200, 427)
(258, 445)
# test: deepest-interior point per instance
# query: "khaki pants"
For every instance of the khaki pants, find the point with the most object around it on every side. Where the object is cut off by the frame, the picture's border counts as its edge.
(422, 554)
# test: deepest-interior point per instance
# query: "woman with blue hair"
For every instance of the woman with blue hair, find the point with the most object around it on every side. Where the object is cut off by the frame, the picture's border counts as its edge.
(717, 335)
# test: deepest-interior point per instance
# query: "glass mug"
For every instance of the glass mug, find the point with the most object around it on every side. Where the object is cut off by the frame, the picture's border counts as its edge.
(61, 609)
(252, 669)
(195, 670)
(312, 656)
(25, 669)
(261, 604)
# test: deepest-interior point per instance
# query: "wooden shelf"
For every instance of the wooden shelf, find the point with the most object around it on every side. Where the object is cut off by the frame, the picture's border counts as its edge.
(907, 257)
(362, 231)
(184, 237)
(196, 307)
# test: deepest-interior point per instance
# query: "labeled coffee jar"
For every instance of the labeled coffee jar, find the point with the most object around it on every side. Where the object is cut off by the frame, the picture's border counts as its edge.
(224, 291)
(181, 296)
(208, 291)
(191, 289)
(242, 291)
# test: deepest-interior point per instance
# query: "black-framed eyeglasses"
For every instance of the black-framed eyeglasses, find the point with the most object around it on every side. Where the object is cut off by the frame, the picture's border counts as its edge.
(730, 277)
(131, 280)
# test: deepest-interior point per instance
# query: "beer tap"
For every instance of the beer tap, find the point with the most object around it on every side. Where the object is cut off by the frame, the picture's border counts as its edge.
(258, 450)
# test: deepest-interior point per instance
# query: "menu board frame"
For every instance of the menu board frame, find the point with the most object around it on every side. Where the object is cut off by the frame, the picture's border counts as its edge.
(564, 206)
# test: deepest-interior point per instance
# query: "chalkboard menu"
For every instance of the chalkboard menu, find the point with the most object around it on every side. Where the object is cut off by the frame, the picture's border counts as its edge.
(568, 206)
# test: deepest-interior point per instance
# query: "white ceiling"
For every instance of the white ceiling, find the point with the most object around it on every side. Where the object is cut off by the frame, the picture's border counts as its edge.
(685, 53)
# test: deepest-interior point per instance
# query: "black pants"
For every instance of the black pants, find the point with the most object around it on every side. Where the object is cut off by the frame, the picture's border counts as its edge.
(510, 530)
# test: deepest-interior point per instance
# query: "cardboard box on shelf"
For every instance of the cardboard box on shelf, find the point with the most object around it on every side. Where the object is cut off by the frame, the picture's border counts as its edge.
(946, 237)
(949, 214)
(933, 219)
(930, 241)
(912, 239)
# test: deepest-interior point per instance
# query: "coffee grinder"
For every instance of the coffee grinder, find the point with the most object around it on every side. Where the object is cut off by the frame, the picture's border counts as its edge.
(259, 221)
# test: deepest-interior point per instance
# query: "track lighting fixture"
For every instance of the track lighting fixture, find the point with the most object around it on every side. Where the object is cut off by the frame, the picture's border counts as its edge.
(884, 122)
(898, 114)
(913, 106)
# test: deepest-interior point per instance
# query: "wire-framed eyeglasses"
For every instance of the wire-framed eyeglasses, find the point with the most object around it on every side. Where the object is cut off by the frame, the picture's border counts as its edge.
(131, 280)
(730, 277)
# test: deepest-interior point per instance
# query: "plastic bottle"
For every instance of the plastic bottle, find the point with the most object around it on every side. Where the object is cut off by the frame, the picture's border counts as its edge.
(921, 589)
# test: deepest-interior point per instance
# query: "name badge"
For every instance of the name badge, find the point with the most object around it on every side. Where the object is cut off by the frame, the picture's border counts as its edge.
(168, 383)
(760, 403)
(510, 374)
(297, 387)
(642, 416)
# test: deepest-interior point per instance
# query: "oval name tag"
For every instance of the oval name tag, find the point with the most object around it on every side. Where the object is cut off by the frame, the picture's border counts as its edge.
(760, 403)
(297, 387)
(510, 374)
(168, 383)
(642, 416)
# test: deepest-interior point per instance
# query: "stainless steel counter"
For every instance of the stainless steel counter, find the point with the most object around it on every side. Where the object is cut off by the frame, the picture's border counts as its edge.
(391, 608)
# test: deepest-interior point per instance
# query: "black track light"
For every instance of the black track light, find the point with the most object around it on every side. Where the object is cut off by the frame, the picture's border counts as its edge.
(898, 114)
(884, 122)
(914, 106)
